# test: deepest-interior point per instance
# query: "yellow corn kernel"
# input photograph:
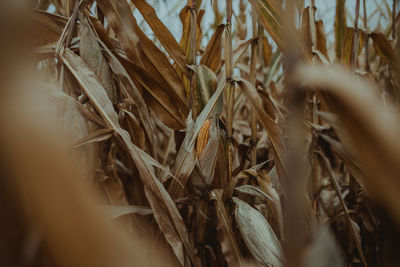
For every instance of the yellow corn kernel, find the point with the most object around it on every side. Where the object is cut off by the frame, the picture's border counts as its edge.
(202, 138)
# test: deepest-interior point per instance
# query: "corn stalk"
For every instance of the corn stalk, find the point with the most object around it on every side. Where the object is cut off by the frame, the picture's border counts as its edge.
(230, 87)
(253, 80)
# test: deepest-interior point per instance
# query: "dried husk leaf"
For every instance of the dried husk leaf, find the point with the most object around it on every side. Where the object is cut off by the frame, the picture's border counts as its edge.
(257, 234)
(207, 160)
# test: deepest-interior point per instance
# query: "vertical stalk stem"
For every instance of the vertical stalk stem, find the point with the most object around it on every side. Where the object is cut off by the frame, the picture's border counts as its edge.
(253, 80)
(312, 98)
(394, 20)
(230, 88)
(193, 25)
(356, 33)
(367, 68)
(311, 16)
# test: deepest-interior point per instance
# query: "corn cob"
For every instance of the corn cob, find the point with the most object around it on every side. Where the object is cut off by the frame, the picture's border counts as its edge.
(202, 138)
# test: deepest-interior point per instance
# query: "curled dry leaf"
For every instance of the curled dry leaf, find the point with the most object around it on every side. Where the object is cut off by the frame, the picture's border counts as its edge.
(114, 211)
(253, 191)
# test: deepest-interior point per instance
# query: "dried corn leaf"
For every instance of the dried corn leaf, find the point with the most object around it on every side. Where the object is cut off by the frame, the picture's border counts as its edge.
(122, 22)
(168, 108)
(185, 20)
(139, 48)
(226, 236)
(385, 50)
(112, 184)
(126, 83)
(206, 84)
(155, 191)
(266, 51)
(96, 136)
(347, 46)
(272, 18)
(184, 163)
(163, 34)
(90, 52)
(252, 191)
(321, 38)
(270, 126)
(49, 26)
(114, 211)
(212, 55)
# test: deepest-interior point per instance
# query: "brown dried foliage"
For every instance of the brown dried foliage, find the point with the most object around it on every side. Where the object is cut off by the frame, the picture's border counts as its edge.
(122, 146)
